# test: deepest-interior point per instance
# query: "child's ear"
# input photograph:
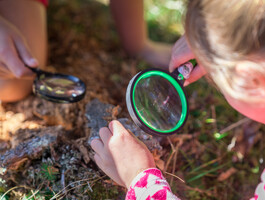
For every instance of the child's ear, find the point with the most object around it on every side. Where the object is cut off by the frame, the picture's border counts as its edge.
(251, 72)
(245, 66)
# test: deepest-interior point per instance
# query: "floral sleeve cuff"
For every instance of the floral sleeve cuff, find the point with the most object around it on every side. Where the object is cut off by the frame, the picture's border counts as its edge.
(260, 189)
(150, 185)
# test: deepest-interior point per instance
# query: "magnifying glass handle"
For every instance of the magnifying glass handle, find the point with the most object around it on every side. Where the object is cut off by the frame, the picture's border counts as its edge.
(35, 70)
(183, 71)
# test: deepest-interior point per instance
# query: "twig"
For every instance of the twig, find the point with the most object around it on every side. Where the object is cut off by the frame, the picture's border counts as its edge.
(64, 189)
(200, 191)
(2, 197)
(89, 188)
(37, 191)
(50, 189)
(1, 118)
(22, 186)
(234, 125)
(175, 159)
(33, 194)
(175, 176)
(171, 155)
(63, 195)
(63, 180)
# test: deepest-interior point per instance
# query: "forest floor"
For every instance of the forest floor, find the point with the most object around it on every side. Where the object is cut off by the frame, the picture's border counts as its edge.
(44, 153)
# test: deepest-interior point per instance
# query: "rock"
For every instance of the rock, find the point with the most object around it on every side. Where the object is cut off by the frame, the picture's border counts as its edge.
(150, 141)
(99, 114)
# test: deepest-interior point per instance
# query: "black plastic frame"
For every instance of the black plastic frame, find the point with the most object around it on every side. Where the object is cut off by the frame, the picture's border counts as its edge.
(60, 99)
(133, 113)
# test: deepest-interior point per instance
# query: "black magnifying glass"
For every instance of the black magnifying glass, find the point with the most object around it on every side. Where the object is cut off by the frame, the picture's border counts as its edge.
(156, 99)
(58, 88)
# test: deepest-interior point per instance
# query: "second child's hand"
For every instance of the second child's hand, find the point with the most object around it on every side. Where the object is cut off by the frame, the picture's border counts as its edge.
(14, 53)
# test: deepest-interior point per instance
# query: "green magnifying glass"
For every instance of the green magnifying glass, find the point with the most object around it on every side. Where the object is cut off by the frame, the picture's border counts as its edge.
(156, 99)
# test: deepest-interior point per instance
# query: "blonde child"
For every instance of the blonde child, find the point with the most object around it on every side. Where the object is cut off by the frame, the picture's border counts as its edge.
(227, 38)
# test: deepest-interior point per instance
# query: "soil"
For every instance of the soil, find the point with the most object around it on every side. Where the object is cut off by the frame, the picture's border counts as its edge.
(44, 146)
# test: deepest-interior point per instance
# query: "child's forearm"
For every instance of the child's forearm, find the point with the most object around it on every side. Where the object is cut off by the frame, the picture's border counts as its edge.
(150, 184)
(129, 20)
(23, 40)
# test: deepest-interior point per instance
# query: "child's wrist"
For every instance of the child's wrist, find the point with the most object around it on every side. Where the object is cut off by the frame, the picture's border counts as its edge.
(138, 175)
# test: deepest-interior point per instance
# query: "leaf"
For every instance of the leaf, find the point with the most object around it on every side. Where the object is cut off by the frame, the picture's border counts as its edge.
(225, 175)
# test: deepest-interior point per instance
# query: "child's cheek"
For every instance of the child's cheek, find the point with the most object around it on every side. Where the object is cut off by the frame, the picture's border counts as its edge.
(251, 110)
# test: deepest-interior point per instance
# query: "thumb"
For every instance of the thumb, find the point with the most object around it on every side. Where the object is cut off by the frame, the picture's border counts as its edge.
(117, 128)
(181, 53)
(178, 60)
(24, 52)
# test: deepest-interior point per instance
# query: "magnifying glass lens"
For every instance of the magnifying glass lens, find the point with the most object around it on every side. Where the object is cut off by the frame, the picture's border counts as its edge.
(59, 87)
(158, 103)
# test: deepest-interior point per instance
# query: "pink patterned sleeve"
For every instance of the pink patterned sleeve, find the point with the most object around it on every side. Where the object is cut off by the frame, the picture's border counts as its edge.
(150, 185)
(260, 189)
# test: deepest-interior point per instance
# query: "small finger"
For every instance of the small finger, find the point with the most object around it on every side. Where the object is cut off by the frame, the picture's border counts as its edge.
(97, 145)
(175, 62)
(105, 135)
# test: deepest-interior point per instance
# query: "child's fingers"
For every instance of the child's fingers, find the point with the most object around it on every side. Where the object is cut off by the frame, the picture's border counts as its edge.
(105, 135)
(196, 74)
(24, 52)
(98, 161)
(9, 56)
(117, 128)
(97, 146)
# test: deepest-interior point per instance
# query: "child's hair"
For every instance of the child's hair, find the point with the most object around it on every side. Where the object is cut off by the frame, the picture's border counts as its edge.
(222, 33)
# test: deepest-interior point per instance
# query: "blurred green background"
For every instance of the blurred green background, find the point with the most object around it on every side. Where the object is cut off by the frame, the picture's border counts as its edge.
(165, 19)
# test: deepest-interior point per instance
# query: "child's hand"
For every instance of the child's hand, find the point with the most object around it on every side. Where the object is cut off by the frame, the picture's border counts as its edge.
(121, 155)
(181, 53)
(14, 52)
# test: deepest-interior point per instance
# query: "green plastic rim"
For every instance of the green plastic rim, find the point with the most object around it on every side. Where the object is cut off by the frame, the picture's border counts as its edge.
(179, 90)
